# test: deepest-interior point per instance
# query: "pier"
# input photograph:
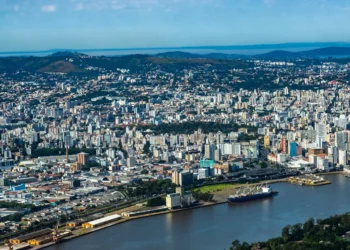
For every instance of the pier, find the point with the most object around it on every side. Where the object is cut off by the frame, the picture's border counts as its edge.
(308, 180)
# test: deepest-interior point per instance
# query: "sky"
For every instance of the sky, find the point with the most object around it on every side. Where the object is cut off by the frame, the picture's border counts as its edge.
(93, 24)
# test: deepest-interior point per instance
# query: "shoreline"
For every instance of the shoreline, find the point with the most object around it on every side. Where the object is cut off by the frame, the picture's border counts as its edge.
(124, 220)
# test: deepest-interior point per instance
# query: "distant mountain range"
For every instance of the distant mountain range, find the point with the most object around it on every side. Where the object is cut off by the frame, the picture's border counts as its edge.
(58, 61)
(282, 54)
(211, 51)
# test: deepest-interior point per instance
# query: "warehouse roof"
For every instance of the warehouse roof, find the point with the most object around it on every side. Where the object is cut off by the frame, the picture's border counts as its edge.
(105, 219)
(34, 235)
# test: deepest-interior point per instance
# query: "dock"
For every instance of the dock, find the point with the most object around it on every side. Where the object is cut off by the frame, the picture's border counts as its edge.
(308, 180)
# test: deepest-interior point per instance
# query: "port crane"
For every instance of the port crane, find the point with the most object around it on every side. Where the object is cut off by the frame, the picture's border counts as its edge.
(9, 245)
(55, 233)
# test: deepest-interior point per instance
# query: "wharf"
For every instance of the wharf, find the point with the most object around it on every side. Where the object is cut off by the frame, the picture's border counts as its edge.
(311, 180)
(81, 232)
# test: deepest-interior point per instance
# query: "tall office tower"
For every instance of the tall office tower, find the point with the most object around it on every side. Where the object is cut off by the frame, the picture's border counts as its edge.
(209, 151)
(340, 140)
(321, 132)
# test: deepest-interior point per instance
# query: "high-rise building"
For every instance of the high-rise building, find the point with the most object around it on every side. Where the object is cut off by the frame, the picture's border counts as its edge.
(4, 182)
(185, 178)
(203, 173)
(82, 158)
(321, 133)
(176, 176)
(292, 148)
(236, 148)
(131, 162)
(209, 151)
(217, 154)
(7, 153)
(340, 140)
(266, 141)
(284, 145)
(343, 157)
(333, 154)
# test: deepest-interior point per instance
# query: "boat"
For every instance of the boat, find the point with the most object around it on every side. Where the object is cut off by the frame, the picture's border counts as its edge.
(252, 193)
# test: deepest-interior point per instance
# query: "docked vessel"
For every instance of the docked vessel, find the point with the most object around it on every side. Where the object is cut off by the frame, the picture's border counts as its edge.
(252, 193)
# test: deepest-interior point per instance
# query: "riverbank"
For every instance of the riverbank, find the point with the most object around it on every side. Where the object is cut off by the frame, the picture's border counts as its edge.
(331, 173)
(253, 221)
(82, 232)
(220, 198)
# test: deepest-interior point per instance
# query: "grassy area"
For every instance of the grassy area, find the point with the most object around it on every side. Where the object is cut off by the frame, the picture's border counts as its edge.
(214, 188)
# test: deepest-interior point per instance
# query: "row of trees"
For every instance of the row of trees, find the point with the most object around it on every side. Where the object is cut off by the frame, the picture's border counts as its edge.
(190, 127)
(198, 195)
(311, 235)
(155, 202)
(149, 188)
(61, 151)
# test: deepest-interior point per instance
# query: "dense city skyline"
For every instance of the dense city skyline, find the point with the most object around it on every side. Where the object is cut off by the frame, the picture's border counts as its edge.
(176, 112)
(153, 23)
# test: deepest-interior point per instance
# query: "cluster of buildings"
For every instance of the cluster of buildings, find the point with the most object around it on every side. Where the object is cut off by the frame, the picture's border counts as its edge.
(64, 136)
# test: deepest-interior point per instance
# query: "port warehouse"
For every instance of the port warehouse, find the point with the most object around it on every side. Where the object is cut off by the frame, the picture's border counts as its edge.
(47, 238)
(45, 235)
(76, 223)
(21, 246)
(79, 222)
(30, 236)
(101, 221)
(36, 238)
(143, 212)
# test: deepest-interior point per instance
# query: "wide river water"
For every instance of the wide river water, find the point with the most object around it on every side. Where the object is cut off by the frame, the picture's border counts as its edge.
(215, 227)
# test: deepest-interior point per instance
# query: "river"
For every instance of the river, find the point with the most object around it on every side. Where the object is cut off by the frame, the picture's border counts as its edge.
(215, 227)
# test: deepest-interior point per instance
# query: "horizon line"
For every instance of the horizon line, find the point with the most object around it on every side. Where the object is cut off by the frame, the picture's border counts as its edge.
(218, 47)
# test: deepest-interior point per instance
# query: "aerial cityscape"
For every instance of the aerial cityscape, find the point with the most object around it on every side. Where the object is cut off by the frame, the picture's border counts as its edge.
(138, 143)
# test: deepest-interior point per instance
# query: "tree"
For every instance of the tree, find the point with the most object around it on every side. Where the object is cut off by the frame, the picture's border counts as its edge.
(297, 232)
(309, 224)
(285, 233)
(144, 171)
(198, 195)
(263, 164)
(155, 202)
(146, 148)
(235, 244)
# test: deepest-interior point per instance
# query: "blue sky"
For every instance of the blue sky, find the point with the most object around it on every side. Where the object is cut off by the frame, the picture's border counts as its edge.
(78, 24)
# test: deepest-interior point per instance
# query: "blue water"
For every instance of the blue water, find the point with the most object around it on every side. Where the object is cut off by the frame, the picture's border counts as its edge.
(216, 227)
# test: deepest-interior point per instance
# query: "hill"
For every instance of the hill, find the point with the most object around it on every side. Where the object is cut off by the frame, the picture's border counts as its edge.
(278, 54)
(71, 62)
(314, 53)
(329, 51)
(68, 62)
(177, 54)
(66, 54)
(60, 67)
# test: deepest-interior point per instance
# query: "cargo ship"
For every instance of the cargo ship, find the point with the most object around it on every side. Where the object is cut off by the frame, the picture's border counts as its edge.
(252, 193)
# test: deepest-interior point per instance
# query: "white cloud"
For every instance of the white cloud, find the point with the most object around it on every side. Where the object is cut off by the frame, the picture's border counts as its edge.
(79, 6)
(147, 5)
(16, 8)
(48, 8)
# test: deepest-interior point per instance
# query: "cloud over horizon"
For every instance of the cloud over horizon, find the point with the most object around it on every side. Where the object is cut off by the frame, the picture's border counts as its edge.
(48, 8)
(46, 24)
